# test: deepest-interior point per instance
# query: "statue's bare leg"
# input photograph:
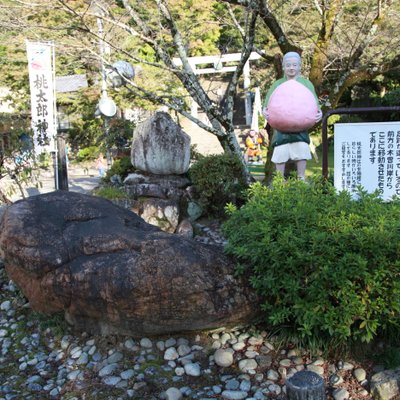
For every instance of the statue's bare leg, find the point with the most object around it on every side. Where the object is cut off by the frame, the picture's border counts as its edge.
(301, 169)
(280, 167)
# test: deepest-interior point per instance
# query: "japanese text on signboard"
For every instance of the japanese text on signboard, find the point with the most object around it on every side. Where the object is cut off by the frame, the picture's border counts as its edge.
(368, 155)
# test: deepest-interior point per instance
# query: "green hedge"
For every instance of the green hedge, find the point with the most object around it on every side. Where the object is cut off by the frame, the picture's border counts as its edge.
(122, 167)
(218, 179)
(324, 264)
(87, 153)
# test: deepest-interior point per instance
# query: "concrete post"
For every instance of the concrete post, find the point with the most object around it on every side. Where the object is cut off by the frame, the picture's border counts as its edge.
(246, 85)
(305, 385)
(62, 172)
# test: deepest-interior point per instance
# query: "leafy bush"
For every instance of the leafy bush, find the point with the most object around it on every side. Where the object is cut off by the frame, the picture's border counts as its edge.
(326, 265)
(389, 357)
(19, 166)
(119, 135)
(391, 98)
(121, 167)
(195, 155)
(218, 179)
(44, 160)
(87, 153)
(111, 193)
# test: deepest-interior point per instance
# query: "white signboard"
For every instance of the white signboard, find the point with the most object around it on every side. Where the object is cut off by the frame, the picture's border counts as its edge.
(368, 155)
(41, 81)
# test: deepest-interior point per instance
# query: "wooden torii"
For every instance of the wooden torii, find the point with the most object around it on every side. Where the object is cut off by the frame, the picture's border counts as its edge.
(218, 67)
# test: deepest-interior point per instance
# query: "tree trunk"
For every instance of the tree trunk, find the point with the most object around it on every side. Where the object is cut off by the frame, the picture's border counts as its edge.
(269, 167)
(320, 56)
(270, 20)
(230, 145)
(4, 199)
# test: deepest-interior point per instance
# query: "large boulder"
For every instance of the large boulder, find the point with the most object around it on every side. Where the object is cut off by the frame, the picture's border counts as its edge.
(111, 272)
(160, 146)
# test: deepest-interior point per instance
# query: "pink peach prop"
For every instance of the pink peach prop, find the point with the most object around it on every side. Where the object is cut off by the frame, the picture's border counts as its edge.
(292, 107)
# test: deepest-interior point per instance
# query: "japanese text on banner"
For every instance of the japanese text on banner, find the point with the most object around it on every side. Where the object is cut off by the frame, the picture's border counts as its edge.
(41, 81)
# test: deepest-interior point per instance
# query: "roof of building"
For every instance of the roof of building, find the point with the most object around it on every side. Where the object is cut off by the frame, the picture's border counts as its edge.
(70, 83)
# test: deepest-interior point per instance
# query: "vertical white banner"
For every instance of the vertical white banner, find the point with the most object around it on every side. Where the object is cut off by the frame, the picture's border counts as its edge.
(42, 88)
(368, 155)
(257, 110)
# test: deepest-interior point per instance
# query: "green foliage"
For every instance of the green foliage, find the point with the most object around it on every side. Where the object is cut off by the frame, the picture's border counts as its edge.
(55, 322)
(86, 130)
(218, 179)
(325, 264)
(229, 35)
(111, 193)
(391, 98)
(195, 155)
(122, 167)
(87, 154)
(18, 162)
(119, 135)
(389, 357)
(44, 160)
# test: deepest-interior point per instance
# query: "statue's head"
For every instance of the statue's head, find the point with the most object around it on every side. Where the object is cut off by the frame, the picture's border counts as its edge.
(291, 64)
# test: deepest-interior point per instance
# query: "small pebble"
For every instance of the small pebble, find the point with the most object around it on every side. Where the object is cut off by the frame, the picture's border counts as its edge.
(234, 395)
(173, 394)
(360, 374)
(192, 369)
(340, 394)
(223, 358)
(316, 368)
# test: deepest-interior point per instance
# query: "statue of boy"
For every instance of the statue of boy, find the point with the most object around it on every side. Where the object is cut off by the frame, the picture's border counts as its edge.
(291, 145)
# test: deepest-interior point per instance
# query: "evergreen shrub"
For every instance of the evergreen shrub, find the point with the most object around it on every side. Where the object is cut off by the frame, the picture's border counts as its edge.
(218, 179)
(87, 154)
(121, 167)
(111, 193)
(326, 265)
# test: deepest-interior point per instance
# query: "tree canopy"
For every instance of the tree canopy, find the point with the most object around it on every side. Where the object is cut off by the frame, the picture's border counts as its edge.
(342, 42)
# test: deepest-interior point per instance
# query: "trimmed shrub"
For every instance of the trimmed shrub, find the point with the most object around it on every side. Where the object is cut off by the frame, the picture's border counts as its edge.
(218, 179)
(87, 154)
(121, 167)
(111, 193)
(325, 264)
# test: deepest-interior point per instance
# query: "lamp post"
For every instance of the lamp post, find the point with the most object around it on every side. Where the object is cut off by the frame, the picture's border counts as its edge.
(105, 100)
(115, 75)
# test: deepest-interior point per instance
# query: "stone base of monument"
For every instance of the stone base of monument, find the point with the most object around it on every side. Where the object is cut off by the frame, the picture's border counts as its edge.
(161, 200)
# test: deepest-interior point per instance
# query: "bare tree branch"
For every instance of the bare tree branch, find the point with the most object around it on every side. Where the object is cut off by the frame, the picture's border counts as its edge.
(247, 49)
(318, 7)
(235, 21)
(187, 75)
(172, 103)
(320, 57)
(353, 75)
(269, 19)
